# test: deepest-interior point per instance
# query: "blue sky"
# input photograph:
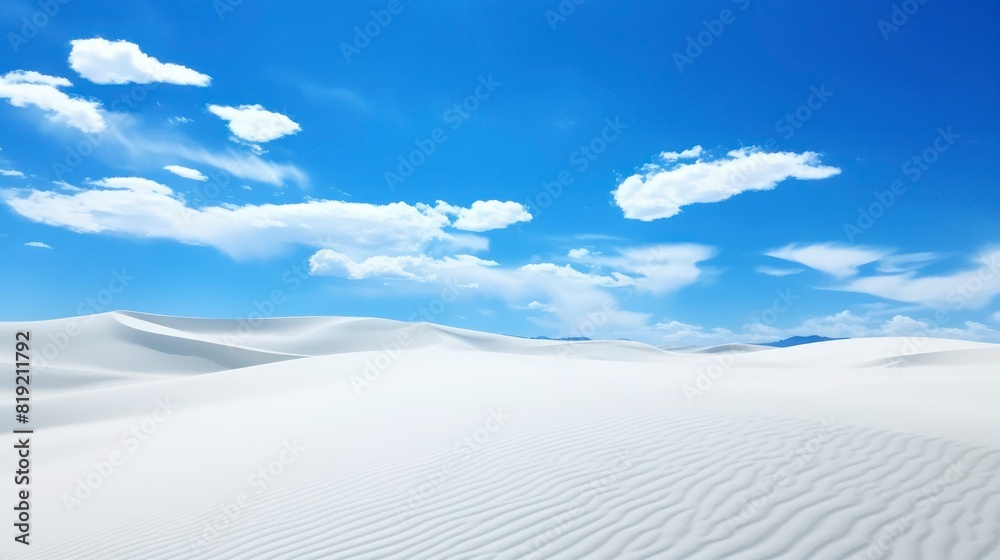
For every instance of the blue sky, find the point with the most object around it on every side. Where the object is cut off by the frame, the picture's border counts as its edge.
(690, 173)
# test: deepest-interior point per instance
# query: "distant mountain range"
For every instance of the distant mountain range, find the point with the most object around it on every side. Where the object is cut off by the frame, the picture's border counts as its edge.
(797, 340)
(793, 341)
(564, 339)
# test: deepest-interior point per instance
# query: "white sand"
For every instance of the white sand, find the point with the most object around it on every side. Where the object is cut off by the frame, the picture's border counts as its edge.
(475, 446)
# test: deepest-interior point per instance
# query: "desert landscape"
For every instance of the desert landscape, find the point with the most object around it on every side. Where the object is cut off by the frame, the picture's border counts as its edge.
(332, 437)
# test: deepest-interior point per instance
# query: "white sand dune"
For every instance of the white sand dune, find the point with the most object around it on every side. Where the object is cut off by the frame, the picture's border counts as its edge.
(309, 438)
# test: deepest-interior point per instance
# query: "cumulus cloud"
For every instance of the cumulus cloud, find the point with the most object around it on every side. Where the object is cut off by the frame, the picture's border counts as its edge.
(10, 173)
(661, 190)
(831, 258)
(141, 207)
(37, 244)
(485, 215)
(121, 62)
(186, 172)
(23, 88)
(580, 253)
(253, 123)
(772, 271)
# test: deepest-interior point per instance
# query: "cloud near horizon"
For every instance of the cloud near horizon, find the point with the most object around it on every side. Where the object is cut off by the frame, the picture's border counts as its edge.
(663, 188)
(896, 275)
(574, 296)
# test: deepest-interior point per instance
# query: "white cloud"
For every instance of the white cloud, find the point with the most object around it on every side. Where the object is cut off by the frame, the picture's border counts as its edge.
(906, 262)
(773, 271)
(186, 172)
(971, 288)
(66, 186)
(253, 123)
(661, 191)
(121, 62)
(144, 208)
(896, 276)
(23, 88)
(421, 268)
(545, 308)
(586, 302)
(140, 146)
(10, 173)
(995, 317)
(38, 244)
(567, 272)
(830, 258)
(485, 215)
(179, 120)
(678, 333)
(659, 268)
(686, 154)
(578, 253)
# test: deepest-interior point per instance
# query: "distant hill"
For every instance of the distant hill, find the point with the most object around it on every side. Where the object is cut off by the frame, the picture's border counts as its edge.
(563, 339)
(797, 340)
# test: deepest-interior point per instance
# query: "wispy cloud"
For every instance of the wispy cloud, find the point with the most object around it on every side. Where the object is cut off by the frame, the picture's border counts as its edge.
(831, 258)
(772, 271)
(28, 88)
(37, 244)
(186, 172)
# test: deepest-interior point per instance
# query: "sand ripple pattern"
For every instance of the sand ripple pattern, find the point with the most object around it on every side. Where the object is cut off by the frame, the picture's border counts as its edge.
(699, 485)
